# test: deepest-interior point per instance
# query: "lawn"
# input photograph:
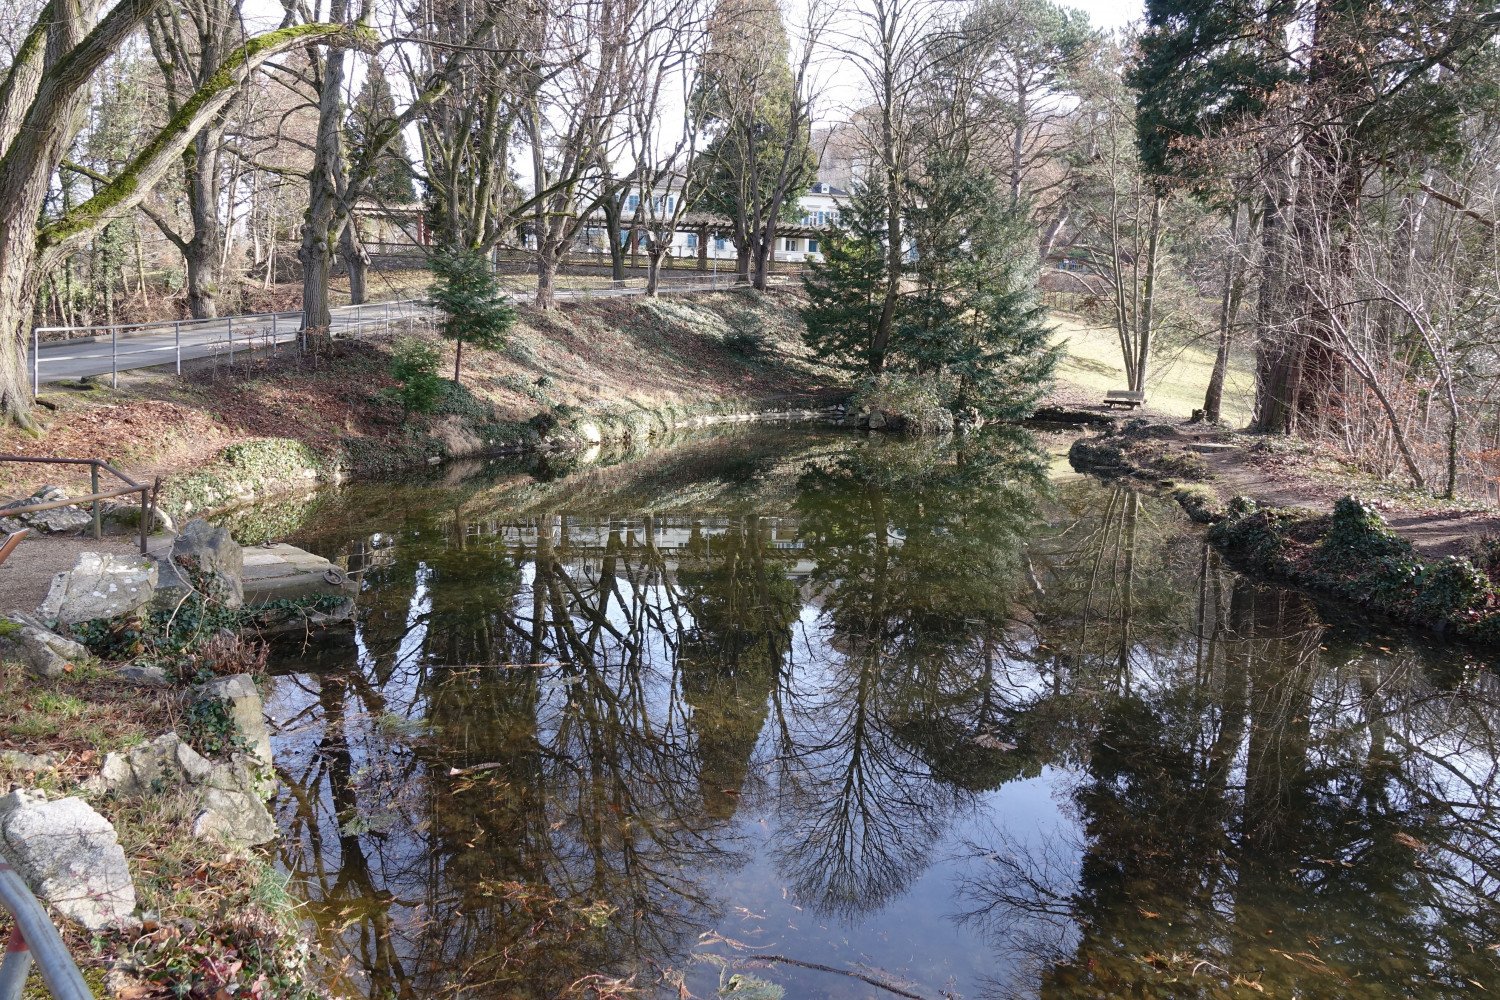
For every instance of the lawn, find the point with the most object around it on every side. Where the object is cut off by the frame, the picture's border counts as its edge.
(1176, 382)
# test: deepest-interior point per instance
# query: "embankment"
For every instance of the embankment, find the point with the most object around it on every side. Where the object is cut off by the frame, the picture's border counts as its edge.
(589, 372)
(1280, 515)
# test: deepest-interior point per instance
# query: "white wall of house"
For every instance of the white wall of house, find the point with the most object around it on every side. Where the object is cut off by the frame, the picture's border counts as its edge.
(820, 207)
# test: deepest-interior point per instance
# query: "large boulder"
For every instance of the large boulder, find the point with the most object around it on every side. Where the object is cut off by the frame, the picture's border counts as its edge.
(204, 555)
(45, 653)
(58, 520)
(227, 803)
(99, 586)
(69, 856)
(243, 705)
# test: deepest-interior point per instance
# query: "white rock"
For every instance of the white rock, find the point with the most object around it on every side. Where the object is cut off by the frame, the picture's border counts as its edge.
(99, 586)
(69, 856)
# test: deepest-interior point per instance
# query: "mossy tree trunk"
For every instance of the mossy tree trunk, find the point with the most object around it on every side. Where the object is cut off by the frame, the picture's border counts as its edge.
(324, 183)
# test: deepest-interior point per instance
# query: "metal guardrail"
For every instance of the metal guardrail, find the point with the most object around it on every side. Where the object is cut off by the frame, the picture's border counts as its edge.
(224, 336)
(35, 939)
(147, 492)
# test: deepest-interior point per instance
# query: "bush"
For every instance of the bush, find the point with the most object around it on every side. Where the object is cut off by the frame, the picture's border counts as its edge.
(1358, 539)
(1451, 587)
(414, 364)
(908, 402)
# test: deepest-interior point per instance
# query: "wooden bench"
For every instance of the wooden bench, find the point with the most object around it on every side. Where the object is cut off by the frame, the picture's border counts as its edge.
(1124, 397)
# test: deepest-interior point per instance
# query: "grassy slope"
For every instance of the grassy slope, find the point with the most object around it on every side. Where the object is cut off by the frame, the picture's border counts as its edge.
(1176, 386)
(613, 356)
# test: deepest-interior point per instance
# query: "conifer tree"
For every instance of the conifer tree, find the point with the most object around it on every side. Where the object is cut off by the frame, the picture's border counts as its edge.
(392, 180)
(973, 319)
(846, 288)
(475, 309)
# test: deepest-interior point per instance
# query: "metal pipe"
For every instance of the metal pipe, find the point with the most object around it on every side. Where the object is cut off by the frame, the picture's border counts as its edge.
(114, 357)
(14, 968)
(46, 946)
(33, 508)
(36, 362)
(177, 344)
(146, 518)
(94, 488)
(231, 341)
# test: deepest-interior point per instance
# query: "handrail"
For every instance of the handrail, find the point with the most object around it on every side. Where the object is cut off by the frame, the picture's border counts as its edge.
(35, 937)
(147, 492)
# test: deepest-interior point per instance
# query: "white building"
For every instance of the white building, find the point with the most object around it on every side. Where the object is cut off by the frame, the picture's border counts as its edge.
(820, 209)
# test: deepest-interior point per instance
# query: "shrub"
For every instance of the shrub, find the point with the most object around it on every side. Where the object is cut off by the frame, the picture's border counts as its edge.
(414, 365)
(1451, 587)
(1358, 539)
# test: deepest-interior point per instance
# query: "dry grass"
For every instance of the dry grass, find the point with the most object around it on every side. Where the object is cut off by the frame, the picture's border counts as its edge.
(1092, 362)
(80, 717)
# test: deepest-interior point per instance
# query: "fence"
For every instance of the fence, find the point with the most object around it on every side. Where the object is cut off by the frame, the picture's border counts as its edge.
(59, 353)
(35, 937)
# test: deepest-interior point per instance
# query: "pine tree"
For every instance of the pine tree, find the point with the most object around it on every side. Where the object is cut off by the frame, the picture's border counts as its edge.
(475, 310)
(392, 183)
(846, 287)
(973, 319)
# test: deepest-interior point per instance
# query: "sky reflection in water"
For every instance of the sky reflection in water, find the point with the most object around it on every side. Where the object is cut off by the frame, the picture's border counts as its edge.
(905, 710)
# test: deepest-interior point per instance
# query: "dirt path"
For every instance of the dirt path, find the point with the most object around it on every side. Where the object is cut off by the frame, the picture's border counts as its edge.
(27, 574)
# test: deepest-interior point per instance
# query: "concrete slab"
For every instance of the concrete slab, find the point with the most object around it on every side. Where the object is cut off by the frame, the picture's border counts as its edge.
(280, 571)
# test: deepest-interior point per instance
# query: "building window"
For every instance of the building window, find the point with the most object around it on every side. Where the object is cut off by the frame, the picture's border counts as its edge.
(720, 243)
(692, 241)
(812, 246)
(791, 245)
(632, 203)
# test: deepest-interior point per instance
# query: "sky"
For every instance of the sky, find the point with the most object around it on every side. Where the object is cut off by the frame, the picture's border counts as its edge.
(1109, 13)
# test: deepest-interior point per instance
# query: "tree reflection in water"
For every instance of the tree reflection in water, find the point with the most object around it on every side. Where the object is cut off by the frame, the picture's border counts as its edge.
(578, 728)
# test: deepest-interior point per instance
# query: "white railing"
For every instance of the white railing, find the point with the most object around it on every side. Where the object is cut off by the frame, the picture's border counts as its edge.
(83, 351)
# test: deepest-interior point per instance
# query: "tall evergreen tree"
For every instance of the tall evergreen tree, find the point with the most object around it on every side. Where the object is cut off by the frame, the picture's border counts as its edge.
(846, 288)
(973, 318)
(375, 105)
(968, 321)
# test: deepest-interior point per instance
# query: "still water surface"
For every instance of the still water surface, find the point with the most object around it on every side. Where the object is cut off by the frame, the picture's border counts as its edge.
(921, 714)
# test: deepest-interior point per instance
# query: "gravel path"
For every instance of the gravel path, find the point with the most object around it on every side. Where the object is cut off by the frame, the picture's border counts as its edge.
(27, 574)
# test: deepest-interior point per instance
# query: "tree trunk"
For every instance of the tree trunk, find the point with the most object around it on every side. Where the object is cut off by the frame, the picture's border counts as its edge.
(201, 252)
(458, 358)
(1229, 307)
(202, 277)
(323, 183)
(615, 235)
(546, 275)
(1148, 297)
(17, 295)
(654, 256)
(741, 263)
(352, 253)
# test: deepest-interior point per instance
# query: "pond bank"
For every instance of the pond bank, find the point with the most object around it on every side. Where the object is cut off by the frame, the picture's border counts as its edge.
(1283, 511)
(586, 373)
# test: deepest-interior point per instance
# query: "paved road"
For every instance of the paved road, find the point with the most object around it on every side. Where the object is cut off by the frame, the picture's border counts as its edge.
(160, 344)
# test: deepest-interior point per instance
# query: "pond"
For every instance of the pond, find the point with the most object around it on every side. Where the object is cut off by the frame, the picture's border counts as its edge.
(803, 711)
